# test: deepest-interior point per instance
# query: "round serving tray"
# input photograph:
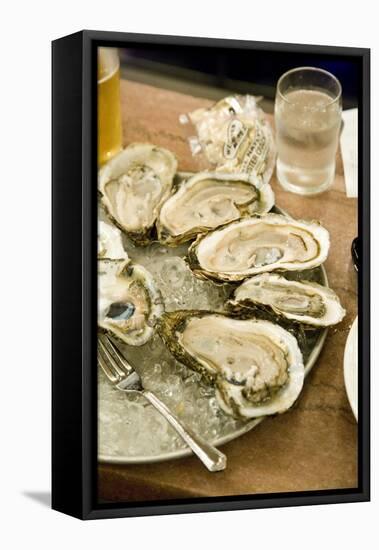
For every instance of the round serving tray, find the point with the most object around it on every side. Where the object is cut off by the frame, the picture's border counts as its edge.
(315, 351)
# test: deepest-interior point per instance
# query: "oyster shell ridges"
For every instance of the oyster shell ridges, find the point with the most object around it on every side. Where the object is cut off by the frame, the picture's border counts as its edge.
(129, 302)
(109, 242)
(270, 242)
(133, 186)
(303, 302)
(247, 386)
(208, 200)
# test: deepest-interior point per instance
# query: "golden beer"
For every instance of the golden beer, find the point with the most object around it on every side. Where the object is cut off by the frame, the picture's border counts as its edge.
(109, 130)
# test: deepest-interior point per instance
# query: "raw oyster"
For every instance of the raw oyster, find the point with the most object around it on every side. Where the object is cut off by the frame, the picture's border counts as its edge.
(133, 186)
(109, 242)
(129, 303)
(302, 301)
(256, 366)
(207, 200)
(250, 246)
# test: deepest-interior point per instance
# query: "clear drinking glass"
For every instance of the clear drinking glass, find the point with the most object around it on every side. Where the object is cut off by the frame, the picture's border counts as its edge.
(307, 119)
(109, 129)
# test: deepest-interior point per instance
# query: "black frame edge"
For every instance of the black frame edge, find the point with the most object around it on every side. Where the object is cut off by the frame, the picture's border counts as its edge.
(364, 281)
(67, 421)
(109, 36)
(266, 501)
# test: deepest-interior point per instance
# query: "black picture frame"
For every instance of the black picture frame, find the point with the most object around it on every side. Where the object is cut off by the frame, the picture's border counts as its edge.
(74, 404)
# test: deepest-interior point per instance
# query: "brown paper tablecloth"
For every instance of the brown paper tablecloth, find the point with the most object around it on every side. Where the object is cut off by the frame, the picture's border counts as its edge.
(314, 445)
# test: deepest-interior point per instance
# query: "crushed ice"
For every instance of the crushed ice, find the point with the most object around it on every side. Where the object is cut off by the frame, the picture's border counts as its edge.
(130, 427)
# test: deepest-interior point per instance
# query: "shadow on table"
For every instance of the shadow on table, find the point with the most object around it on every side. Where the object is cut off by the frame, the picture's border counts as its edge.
(42, 497)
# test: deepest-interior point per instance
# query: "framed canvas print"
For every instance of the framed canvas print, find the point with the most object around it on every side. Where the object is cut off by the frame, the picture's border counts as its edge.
(210, 274)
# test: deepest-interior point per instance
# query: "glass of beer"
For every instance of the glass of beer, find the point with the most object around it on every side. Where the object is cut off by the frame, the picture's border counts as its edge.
(307, 119)
(109, 130)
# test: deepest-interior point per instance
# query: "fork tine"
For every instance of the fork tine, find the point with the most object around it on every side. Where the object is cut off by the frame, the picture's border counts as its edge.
(106, 366)
(117, 355)
(110, 359)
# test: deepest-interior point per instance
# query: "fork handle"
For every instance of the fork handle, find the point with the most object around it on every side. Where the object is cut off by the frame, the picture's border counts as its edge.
(211, 457)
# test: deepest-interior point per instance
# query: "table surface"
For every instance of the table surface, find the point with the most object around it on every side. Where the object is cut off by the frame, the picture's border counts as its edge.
(314, 445)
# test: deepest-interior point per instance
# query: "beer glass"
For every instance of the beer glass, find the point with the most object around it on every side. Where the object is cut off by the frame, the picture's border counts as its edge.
(307, 120)
(109, 130)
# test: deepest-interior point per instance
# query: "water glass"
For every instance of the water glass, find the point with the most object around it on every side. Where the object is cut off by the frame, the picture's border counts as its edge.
(307, 120)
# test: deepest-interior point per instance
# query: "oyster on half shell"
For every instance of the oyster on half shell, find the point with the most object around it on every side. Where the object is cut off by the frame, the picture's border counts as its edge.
(301, 301)
(207, 200)
(109, 242)
(270, 242)
(133, 186)
(129, 303)
(256, 366)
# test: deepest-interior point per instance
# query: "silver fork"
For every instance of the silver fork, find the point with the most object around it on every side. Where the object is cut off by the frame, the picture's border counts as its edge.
(123, 376)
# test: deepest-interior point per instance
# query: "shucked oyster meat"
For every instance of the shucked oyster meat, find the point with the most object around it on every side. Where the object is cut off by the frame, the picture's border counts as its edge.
(256, 366)
(109, 242)
(133, 186)
(250, 246)
(129, 303)
(207, 200)
(302, 301)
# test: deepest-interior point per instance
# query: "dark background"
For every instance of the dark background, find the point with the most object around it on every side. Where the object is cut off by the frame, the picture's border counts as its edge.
(208, 72)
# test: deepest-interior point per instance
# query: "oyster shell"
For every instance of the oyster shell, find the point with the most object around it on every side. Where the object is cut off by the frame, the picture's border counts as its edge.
(133, 186)
(109, 242)
(250, 246)
(129, 303)
(305, 302)
(256, 366)
(207, 200)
